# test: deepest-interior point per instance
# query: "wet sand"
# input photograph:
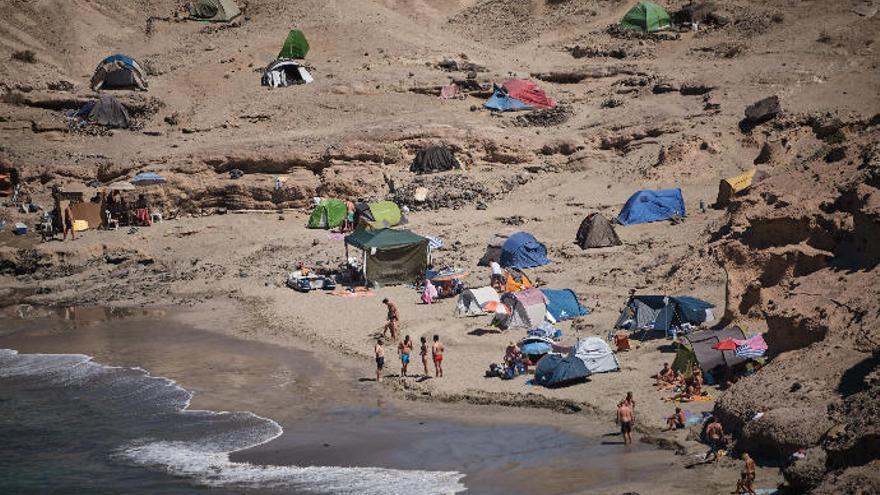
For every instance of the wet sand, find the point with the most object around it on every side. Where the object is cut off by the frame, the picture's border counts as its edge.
(332, 418)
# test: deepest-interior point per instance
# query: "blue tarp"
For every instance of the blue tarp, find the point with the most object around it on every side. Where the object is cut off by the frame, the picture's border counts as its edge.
(652, 206)
(554, 370)
(501, 101)
(522, 250)
(146, 178)
(564, 304)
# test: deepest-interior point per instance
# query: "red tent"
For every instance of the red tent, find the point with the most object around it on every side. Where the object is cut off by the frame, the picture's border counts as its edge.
(529, 93)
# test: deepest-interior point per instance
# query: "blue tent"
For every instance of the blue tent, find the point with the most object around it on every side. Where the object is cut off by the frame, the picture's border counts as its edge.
(555, 370)
(652, 206)
(125, 59)
(501, 101)
(564, 304)
(522, 250)
(663, 313)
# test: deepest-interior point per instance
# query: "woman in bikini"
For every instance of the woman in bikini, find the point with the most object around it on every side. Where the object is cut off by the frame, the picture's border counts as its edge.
(423, 352)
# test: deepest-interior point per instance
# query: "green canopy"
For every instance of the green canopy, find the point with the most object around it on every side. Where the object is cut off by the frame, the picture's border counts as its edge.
(383, 239)
(213, 10)
(391, 256)
(295, 46)
(327, 215)
(647, 17)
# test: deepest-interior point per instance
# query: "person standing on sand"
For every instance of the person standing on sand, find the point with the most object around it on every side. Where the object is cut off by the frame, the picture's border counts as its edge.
(746, 481)
(393, 323)
(437, 352)
(423, 352)
(380, 359)
(626, 417)
(404, 349)
(628, 400)
(714, 434)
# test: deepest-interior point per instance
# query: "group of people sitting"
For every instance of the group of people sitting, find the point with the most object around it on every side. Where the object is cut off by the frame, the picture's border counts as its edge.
(687, 388)
(128, 213)
(515, 363)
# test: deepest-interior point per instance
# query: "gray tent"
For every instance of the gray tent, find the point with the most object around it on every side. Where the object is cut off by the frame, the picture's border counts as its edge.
(595, 232)
(107, 111)
(213, 10)
(434, 159)
(697, 349)
(119, 71)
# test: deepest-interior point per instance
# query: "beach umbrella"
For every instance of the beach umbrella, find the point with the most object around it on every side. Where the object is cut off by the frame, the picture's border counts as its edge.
(725, 345)
(147, 178)
(122, 185)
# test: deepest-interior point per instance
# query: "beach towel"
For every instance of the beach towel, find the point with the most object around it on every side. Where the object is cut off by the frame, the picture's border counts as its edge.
(354, 292)
(429, 292)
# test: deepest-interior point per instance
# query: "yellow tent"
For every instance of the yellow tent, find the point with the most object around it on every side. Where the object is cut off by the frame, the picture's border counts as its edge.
(730, 187)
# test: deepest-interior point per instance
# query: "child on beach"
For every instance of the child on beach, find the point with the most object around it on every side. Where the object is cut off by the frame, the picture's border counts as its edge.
(380, 359)
(404, 349)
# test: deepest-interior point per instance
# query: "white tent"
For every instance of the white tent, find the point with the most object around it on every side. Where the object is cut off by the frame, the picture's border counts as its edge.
(596, 355)
(471, 301)
(284, 72)
(528, 309)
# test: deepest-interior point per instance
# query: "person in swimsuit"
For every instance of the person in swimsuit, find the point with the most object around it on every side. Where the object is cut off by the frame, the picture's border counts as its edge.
(747, 477)
(628, 400)
(380, 359)
(404, 349)
(437, 352)
(393, 323)
(715, 434)
(423, 352)
(677, 421)
(625, 416)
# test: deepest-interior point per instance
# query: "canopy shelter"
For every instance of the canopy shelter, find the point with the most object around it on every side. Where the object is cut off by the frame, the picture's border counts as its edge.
(285, 72)
(147, 179)
(596, 355)
(555, 370)
(378, 215)
(106, 111)
(564, 304)
(330, 213)
(528, 308)
(698, 349)
(213, 10)
(119, 71)
(434, 159)
(474, 302)
(596, 232)
(295, 46)
(390, 256)
(647, 17)
(665, 314)
(522, 250)
(733, 186)
(518, 94)
(652, 206)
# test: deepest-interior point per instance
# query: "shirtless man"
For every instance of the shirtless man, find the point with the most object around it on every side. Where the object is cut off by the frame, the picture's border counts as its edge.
(664, 375)
(628, 400)
(380, 359)
(393, 322)
(746, 481)
(677, 421)
(714, 434)
(437, 352)
(625, 416)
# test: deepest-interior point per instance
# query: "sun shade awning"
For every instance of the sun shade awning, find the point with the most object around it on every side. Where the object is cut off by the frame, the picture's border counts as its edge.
(383, 239)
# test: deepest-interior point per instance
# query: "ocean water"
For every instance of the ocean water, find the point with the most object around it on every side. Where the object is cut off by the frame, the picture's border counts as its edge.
(71, 425)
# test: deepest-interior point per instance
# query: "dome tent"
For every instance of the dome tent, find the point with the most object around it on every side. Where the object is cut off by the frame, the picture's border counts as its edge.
(555, 370)
(285, 72)
(596, 232)
(118, 71)
(106, 111)
(652, 206)
(328, 214)
(596, 355)
(434, 159)
(213, 10)
(522, 250)
(646, 17)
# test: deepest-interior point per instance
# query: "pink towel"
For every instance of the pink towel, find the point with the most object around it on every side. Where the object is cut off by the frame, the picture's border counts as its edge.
(756, 342)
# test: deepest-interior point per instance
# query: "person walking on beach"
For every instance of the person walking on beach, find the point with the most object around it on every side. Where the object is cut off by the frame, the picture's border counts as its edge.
(437, 352)
(423, 352)
(393, 323)
(746, 483)
(714, 434)
(625, 416)
(404, 349)
(380, 359)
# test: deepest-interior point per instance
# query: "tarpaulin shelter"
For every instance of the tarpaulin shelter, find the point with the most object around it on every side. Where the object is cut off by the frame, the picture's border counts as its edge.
(646, 17)
(732, 186)
(518, 94)
(697, 349)
(564, 304)
(390, 256)
(329, 213)
(472, 302)
(147, 179)
(106, 111)
(522, 250)
(503, 102)
(434, 159)
(295, 46)
(652, 206)
(596, 232)
(528, 308)
(379, 215)
(285, 72)
(118, 71)
(663, 313)
(596, 355)
(213, 10)
(555, 370)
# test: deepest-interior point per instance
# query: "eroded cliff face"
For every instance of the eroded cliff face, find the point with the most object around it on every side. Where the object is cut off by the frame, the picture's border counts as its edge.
(801, 252)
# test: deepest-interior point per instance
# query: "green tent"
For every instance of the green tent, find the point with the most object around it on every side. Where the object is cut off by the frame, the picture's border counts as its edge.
(295, 46)
(647, 17)
(213, 10)
(385, 214)
(327, 215)
(390, 256)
